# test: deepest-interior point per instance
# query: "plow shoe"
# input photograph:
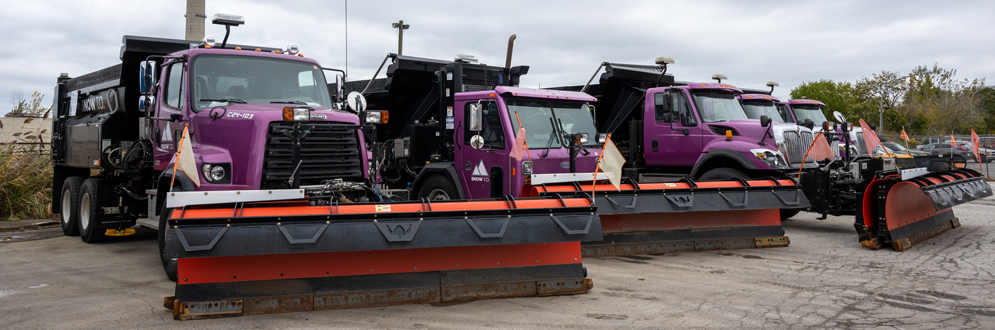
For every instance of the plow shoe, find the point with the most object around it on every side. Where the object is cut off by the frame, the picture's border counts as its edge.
(647, 218)
(284, 256)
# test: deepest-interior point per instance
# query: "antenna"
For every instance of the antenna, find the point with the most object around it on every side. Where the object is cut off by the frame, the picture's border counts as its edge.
(346, 73)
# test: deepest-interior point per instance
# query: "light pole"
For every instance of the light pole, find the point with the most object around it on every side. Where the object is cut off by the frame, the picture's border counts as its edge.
(400, 26)
(881, 104)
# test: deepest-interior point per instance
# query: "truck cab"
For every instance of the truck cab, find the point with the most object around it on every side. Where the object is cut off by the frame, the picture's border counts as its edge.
(792, 140)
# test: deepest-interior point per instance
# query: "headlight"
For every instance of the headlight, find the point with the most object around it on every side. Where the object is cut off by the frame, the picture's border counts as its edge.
(376, 117)
(527, 167)
(770, 157)
(602, 137)
(581, 138)
(216, 173)
(296, 114)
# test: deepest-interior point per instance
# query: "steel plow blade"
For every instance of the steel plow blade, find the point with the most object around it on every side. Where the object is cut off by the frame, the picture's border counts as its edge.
(283, 256)
(948, 189)
(647, 218)
(904, 213)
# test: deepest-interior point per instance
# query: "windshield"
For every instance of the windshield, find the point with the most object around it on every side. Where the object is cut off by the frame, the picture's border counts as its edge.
(535, 116)
(806, 111)
(717, 106)
(756, 108)
(225, 79)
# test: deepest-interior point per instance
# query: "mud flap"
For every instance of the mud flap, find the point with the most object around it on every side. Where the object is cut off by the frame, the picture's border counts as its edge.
(904, 213)
(685, 216)
(272, 257)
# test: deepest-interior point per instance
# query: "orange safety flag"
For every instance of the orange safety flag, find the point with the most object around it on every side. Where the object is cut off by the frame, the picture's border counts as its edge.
(184, 160)
(871, 140)
(611, 162)
(820, 149)
(519, 148)
(953, 144)
(904, 136)
(975, 140)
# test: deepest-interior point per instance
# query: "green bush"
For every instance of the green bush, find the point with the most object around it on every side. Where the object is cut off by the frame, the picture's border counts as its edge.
(25, 184)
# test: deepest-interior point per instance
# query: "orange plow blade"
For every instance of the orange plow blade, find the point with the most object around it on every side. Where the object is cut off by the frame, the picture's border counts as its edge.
(648, 218)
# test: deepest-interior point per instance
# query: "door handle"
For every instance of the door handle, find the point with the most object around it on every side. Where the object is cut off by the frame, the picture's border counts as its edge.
(656, 145)
(685, 131)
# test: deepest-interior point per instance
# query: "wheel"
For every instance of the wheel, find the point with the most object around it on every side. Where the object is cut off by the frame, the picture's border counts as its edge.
(438, 188)
(70, 205)
(90, 202)
(788, 213)
(984, 158)
(168, 264)
(722, 173)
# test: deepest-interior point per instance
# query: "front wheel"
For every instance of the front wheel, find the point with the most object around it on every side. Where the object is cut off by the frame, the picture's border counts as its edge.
(438, 188)
(168, 264)
(722, 173)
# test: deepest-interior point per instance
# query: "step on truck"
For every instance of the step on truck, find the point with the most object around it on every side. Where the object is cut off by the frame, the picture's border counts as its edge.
(276, 209)
(695, 138)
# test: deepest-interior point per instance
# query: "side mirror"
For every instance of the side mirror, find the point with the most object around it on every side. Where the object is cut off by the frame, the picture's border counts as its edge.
(809, 123)
(764, 121)
(146, 76)
(356, 102)
(339, 81)
(668, 117)
(476, 119)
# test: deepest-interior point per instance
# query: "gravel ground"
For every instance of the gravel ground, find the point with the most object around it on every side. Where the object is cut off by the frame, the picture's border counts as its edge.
(825, 279)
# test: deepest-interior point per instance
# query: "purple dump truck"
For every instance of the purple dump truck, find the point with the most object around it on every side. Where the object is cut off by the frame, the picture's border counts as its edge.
(671, 130)
(453, 125)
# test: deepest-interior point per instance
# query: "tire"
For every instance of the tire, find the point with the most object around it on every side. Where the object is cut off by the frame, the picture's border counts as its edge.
(91, 199)
(788, 213)
(69, 215)
(437, 188)
(169, 265)
(722, 173)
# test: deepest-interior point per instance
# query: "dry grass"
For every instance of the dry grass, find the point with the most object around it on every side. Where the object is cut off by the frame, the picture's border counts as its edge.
(25, 184)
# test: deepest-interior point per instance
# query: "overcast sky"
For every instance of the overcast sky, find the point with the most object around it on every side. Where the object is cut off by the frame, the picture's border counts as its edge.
(751, 42)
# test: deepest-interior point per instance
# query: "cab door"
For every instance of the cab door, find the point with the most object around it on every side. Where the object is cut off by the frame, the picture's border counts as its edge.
(484, 171)
(673, 136)
(167, 134)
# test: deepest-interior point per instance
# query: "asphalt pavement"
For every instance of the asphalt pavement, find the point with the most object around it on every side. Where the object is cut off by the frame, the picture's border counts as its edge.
(824, 279)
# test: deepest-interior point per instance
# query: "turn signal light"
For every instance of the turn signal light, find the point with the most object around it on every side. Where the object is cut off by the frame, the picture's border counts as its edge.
(728, 135)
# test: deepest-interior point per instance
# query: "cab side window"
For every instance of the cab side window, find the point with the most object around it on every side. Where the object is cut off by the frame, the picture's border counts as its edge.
(174, 86)
(492, 130)
(682, 110)
(664, 112)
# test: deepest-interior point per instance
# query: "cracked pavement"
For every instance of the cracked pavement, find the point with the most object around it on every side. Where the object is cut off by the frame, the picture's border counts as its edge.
(824, 279)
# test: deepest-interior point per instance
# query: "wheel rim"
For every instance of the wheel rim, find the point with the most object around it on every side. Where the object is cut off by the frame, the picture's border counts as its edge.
(66, 206)
(438, 195)
(84, 211)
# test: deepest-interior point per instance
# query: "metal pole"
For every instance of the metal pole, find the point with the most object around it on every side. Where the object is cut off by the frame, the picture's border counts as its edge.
(881, 118)
(400, 26)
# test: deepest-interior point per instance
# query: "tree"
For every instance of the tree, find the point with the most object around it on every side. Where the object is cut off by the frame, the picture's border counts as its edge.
(840, 96)
(25, 108)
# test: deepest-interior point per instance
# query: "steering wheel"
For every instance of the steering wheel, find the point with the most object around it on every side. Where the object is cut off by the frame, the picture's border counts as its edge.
(292, 92)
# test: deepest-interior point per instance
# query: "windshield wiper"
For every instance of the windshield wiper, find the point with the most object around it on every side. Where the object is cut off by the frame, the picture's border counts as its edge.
(227, 99)
(291, 102)
(552, 134)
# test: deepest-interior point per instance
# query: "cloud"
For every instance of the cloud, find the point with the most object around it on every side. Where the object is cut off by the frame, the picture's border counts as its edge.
(563, 41)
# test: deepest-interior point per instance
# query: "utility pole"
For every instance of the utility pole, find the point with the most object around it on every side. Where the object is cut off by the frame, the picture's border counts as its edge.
(400, 26)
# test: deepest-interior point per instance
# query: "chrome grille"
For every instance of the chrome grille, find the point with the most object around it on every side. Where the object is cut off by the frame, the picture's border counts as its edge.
(793, 148)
